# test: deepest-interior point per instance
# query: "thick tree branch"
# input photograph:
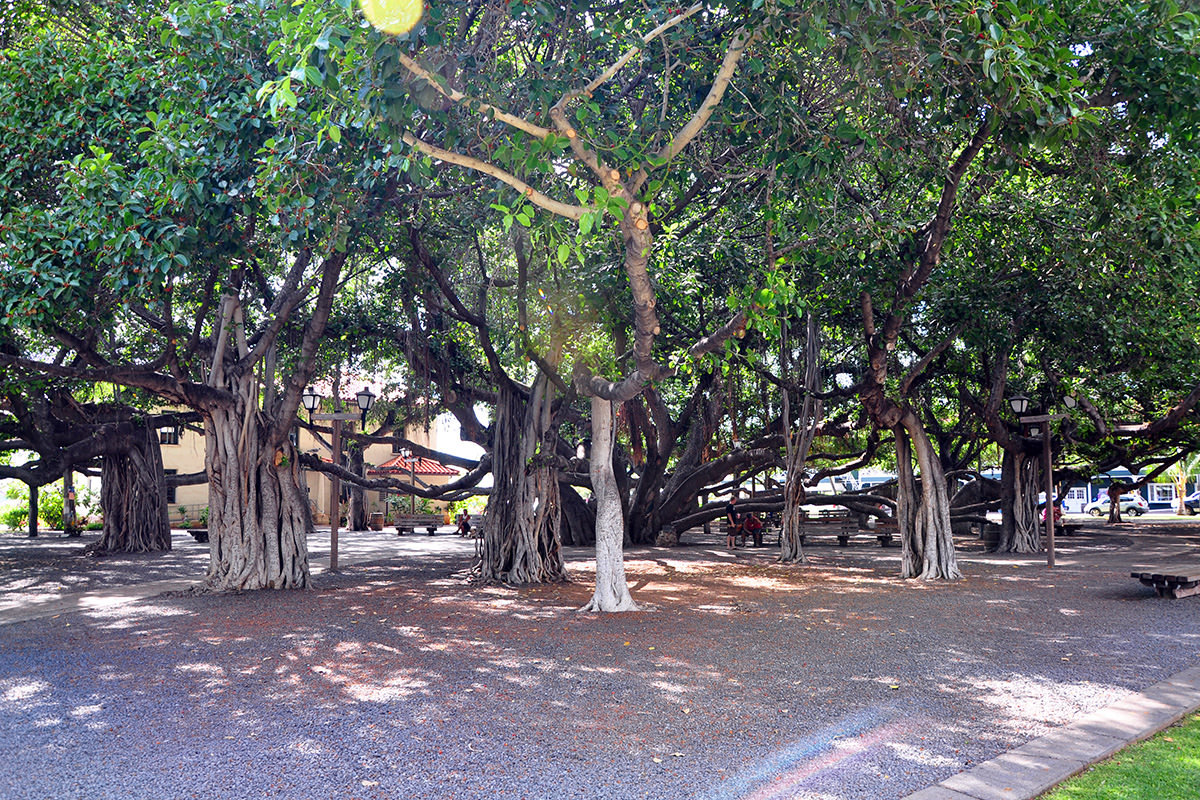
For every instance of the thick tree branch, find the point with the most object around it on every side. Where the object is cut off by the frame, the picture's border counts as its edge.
(533, 195)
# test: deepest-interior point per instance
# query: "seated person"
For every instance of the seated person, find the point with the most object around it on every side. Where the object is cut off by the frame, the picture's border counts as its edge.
(1058, 514)
(753, 526)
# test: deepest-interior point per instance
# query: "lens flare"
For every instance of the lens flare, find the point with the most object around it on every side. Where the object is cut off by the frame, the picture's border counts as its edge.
(393, 16)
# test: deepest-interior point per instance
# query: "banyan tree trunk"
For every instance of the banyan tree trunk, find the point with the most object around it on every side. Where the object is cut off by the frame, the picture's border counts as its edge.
(612, 591)
(356, 517)
(797, 448)
(259, 516)
(578, 520)
(1019, 531)
(33, 512)
(133, 497)
(521, 542)
(1114, 504)
(923, 514)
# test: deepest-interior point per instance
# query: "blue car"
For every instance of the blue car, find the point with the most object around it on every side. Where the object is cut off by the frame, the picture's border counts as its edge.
(1191, 503)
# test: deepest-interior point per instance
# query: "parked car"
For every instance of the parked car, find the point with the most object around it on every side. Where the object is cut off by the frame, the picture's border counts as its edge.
(1191, 503)
(1130, 504)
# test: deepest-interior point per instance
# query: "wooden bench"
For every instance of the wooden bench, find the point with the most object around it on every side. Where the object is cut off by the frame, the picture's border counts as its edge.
(886, 529)
(1175, 581)
(413, 522)
(843, 526)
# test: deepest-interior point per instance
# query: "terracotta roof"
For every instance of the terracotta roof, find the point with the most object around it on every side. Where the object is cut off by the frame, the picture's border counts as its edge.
(423, 466)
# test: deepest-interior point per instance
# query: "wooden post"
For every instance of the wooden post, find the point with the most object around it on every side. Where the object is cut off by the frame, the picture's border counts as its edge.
(335, 483)
(1048, 466)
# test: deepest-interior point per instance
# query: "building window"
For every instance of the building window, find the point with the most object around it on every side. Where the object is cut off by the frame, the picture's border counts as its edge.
(397, 448)
(170, 487)
(1162, 493)
(168, 435)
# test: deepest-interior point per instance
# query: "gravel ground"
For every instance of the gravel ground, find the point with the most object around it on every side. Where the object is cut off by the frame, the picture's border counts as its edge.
(741, 679)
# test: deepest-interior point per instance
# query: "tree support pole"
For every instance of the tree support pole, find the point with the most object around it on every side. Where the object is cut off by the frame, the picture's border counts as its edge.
(335, 497)
(1049, 470)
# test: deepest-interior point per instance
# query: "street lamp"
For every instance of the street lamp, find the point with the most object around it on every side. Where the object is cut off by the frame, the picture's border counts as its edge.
(309, 400)
(1033, 424)
(365, 399)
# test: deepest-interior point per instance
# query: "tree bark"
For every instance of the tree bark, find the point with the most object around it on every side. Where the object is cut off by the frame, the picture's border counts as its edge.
(356, 517)
(70, 525)
(133, 497)
(612, 591)
(521, 541)
(923, 514)
(259, 517)
(33, 511)
(1019, 524)
(1114, 503)
(578, 520)
(797, 448)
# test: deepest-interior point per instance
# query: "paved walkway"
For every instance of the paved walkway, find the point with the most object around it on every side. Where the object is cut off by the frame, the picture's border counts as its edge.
(1037, 766)
(1024, 772)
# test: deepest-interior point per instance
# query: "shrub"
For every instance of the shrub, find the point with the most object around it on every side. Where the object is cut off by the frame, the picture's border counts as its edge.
(14, 516)
(50, 506)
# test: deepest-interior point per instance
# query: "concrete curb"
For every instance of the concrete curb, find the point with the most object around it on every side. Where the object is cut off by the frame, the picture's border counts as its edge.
(1039, 765)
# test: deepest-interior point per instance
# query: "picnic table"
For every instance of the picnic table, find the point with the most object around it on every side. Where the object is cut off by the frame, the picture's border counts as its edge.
(1175, 581)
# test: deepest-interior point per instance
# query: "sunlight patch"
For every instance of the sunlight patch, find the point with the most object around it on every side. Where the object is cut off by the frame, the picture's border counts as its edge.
(24, 691)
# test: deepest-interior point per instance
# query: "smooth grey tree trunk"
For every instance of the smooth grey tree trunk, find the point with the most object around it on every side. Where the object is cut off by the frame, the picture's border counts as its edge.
(612, 590)
(797, 447)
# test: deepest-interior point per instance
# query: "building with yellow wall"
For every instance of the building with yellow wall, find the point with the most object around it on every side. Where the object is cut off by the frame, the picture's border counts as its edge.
(183, 453)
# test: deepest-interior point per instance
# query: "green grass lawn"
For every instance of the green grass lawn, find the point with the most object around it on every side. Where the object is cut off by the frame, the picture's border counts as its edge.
(1164, 767)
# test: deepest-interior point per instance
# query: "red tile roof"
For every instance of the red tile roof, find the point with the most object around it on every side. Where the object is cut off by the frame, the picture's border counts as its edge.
(423, 466)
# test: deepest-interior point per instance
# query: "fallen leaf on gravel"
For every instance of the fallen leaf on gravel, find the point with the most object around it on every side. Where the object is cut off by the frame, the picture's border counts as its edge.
(370, 783)
(677, 755)
(626, 644)
(894, 686)
(687, 711)
(657, 760)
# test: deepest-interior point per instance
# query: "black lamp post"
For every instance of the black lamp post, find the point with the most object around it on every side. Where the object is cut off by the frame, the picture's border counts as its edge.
(365, 399)
(310, 399)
